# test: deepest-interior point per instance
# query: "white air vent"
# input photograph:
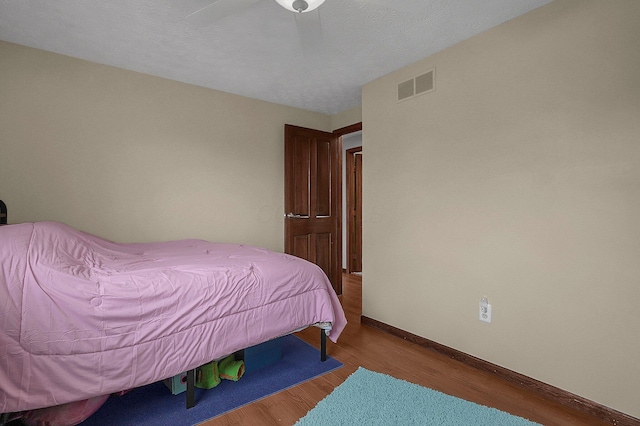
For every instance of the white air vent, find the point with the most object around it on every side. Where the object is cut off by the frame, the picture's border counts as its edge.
(419, 85)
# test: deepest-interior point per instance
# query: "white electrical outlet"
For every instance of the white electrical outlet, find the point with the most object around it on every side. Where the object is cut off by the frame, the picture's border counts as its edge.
(484, 313)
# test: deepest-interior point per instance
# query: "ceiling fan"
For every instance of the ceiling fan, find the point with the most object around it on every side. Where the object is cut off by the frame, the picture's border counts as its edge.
(207, 12)
(309, 29)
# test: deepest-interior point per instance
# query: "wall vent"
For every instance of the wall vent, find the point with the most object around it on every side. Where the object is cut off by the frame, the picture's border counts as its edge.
(405, 90)
(419, 85)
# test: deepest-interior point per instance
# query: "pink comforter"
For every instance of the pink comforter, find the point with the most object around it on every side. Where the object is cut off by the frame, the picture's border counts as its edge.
(81, 316)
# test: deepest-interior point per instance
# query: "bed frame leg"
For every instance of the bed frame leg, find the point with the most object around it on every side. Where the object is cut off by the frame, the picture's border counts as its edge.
(4, 418)
(191, 391)
(323, 345)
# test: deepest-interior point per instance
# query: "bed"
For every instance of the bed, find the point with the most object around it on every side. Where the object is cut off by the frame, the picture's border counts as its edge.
(83, 317)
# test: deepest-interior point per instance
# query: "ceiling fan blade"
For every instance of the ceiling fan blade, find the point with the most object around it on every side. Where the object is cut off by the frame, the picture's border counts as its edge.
(392, 4)
(216, 10)
(309, 30)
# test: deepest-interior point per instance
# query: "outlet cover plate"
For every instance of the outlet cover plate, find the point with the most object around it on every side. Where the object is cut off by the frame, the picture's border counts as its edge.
(485, 315)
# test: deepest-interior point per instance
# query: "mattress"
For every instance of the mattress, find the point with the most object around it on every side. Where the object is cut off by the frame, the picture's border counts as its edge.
(83, 316)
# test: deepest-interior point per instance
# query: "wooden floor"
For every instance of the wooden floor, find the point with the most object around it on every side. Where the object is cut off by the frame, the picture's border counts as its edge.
(375, 350)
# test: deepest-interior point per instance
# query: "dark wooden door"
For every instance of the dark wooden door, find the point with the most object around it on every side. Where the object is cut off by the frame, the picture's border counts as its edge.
(313, 199)
(354, 209)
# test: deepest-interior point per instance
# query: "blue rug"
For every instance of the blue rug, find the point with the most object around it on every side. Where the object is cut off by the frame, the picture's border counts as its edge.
(154, 405)
(370, 398)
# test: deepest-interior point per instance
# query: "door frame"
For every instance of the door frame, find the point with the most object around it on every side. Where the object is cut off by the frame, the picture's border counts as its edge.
(343, 131)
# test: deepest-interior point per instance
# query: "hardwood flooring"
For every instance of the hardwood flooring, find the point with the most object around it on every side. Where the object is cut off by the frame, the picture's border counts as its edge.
(360, 345)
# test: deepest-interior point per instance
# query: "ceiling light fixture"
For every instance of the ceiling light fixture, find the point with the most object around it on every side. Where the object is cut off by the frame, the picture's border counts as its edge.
(300, 6)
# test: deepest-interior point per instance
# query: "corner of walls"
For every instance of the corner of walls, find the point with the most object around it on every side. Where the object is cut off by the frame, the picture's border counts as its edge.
(346, 118)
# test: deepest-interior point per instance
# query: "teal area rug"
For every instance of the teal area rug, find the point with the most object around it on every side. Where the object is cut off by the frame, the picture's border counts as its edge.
(154, 405)
(370, 398)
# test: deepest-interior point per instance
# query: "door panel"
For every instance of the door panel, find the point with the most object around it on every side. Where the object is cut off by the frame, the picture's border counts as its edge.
(323, 251)
(323, 183)
(313, 199)
(300, 164)
(300, 246)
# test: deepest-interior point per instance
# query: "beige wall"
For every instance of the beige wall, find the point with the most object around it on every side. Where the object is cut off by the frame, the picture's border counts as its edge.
(518, 179)
(137, 158)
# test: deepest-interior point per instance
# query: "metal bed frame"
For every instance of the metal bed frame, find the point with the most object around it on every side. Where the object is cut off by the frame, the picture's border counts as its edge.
(191, 374)
(3, 213)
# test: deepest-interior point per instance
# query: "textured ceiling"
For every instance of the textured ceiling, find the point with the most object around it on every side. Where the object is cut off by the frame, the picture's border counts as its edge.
(256, 51)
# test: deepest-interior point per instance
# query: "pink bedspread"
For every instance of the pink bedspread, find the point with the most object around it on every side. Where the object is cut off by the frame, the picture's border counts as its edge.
(81, 316)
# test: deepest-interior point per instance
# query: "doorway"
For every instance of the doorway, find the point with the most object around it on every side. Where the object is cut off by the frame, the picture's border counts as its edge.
(351, 138)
